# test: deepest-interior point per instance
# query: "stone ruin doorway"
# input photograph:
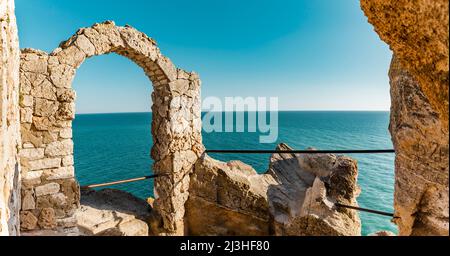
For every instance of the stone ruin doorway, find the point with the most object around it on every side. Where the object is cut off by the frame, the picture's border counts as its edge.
(50, 191)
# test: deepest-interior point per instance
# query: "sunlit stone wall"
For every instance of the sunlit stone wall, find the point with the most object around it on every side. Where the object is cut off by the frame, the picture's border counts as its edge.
(9, 121)
(50, 192)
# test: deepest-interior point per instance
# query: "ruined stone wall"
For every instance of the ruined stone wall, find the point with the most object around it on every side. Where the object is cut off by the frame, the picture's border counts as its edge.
(417, 32)
(50, 192)
(295, 196)
(9, 121)
(227, 199)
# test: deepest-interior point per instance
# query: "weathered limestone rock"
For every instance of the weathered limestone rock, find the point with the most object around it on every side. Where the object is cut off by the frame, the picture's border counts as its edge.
(44, 90)
(295, 197)
(9, 121)
(112, 212)
(47, 219)
(227, 199)
(307, 186)
(32, 153)
(44, 163)
(47, 189)
(421, 142)
(59, 148)
(67, 161)
(27, 220)
(28, 202)
(45, 108)
(66, 172)
(66, 133)
(417, 32)
(48, 108)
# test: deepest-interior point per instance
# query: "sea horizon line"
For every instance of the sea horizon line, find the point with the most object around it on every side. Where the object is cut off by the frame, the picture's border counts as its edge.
(203, 111)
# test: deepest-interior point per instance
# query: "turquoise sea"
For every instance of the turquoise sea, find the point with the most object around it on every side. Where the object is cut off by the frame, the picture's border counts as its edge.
(111, 147)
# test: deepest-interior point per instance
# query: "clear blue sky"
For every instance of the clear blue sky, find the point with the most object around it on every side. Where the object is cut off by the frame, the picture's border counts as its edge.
(313, 55)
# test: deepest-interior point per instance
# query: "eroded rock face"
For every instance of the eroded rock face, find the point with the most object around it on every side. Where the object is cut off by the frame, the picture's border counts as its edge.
(295, 197)
(111, 212)
(422, 146)
(227, 199)
(417, 32)
(9, 121)
(307, 186)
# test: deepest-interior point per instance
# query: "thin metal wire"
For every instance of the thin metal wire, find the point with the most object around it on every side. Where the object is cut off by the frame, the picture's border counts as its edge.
(263, 151)
(232, 151)
(365, 210)
(121, 181)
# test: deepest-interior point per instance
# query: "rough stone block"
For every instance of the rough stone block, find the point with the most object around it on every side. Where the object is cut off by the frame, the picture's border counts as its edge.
(71, 56)
(45, 163)
(43, 123)
(47, 189)
(28, 202)
(32, 153)
(60, 173)
(62, 75)
(45, 108)
(66, 133)
(27, 220)
(66, 111)
(65, 95)
(85, 45)
(67, 160)
(59, 148)
(44, 90)
(31, 175)
(26, 115)
(47, 218)
(26, 100)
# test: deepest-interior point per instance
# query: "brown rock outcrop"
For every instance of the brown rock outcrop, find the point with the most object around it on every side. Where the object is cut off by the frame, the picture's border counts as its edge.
(421, 164)
(418, 33)
(295, 196)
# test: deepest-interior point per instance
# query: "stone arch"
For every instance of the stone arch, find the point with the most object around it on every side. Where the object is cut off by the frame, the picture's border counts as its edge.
(50, 192)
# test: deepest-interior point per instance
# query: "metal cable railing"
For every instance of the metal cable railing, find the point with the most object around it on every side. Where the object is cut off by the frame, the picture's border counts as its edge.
(247, 151)
(264, 151)
(107, 184)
